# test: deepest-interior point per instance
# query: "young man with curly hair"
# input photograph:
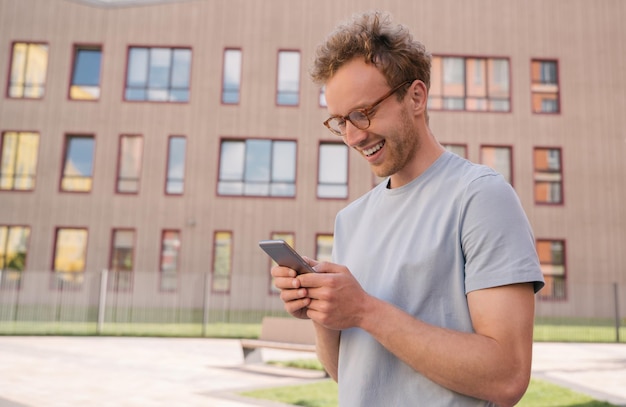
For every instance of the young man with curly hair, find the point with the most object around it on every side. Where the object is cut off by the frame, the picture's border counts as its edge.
(429, 300)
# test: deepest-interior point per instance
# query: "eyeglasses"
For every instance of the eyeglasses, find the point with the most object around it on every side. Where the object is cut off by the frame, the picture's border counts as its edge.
(360, 117)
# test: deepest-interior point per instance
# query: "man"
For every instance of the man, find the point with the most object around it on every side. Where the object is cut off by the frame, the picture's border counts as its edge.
(429, 300)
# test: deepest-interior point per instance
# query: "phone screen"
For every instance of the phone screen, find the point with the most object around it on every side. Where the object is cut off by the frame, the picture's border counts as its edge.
(285, 255)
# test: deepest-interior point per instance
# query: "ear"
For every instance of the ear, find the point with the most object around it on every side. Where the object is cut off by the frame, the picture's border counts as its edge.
(419, 96)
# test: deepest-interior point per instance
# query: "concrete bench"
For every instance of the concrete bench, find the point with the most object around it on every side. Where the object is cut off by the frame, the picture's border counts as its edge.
(280, 333)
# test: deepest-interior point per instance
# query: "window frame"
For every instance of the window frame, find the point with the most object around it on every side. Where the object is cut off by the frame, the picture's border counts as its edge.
(547, 174)
(491, 73)
(145, 86)
(225, 73)
(11, 278)
(88, 179)
(59, 277)
(216, 259)
(176, 246)
(556, 281)
(319, 247)
(121, 164)
(283, 91)
(509, 148)
(224, 183)
(169, 168)
(16, 160)
(116, 277)
(26, 73)
(540, 87)
(75, 50)
(320, 184)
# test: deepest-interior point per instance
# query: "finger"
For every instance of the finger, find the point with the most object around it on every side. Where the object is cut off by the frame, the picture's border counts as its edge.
(278, 271)
(293, 307)
(286, 283)
(293, 295)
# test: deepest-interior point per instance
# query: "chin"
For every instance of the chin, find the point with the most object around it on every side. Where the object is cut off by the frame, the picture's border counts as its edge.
(380, 172)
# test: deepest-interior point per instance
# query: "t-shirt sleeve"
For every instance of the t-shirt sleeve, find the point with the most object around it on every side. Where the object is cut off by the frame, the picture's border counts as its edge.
(496, 237)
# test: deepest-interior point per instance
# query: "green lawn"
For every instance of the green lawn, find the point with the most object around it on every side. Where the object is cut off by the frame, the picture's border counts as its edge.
(214, 330)
(324, 394)
(546, 329)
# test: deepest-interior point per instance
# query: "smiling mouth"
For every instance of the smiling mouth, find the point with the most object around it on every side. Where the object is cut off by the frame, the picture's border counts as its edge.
(371, 151)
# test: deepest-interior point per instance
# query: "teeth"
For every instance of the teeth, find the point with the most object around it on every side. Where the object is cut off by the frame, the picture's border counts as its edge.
(374, 149)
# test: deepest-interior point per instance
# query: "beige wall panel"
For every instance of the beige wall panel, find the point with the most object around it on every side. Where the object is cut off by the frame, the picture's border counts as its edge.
(586, 38)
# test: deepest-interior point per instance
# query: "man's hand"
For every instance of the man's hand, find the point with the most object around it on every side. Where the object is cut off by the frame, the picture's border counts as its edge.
(336, 297)
(291, 293)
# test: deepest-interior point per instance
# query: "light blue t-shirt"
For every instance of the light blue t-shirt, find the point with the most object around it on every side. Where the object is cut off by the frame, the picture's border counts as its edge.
(457, 228)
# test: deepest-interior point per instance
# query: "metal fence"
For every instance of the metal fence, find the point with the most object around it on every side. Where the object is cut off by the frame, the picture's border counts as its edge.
(110, 303)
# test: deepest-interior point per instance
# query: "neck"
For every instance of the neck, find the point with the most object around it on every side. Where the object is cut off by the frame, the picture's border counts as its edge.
(429, 151)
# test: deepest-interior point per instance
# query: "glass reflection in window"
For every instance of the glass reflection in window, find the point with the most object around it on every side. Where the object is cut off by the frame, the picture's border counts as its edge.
(257, 167)
(86, 73)
(175, 182)
(232, 76)
(158, 74)
(332, 178)
(29, 65)
(18, 160)
(288, 78)
(78, 164)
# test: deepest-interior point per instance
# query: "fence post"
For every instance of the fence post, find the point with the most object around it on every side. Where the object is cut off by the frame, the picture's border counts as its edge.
(205, 303)
(617, 316)
(102, 301)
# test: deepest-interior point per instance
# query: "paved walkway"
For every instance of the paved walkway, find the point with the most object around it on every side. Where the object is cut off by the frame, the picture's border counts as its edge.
(159, 372)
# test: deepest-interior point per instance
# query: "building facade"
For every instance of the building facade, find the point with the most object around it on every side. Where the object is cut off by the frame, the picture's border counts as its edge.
(169, 137)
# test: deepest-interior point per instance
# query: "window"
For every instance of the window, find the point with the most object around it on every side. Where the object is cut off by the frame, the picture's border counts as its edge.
(322, 98)
(86, 73)
(13, 251)
(290, 239)
(548, 176)
(121, 261)
(70, 253)
(29, 63)
(332, 173)
(324, 247)
(498, 158)
(257, 168)
(175, 182)
(18, 160)
(471, 84)
(222, 261)
(78, 164)
(231, 82)
(552, 261)
(288, 78)
(458, 149)
(129, 166)
(158, 74)
(545, 87)
(170, 253)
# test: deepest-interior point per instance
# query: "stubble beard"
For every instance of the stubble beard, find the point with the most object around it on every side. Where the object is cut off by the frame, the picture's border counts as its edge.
(400, 148)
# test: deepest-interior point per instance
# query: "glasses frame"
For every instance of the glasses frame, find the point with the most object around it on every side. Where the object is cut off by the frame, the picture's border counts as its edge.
(364, 111)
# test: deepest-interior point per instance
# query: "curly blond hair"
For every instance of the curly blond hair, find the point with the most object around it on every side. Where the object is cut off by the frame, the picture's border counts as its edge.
(372, 36)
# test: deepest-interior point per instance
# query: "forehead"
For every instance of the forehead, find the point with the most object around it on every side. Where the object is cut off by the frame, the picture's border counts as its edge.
(355, 85)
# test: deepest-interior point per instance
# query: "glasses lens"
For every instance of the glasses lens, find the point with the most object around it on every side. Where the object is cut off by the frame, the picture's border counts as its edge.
(337, 125)
(359, 119)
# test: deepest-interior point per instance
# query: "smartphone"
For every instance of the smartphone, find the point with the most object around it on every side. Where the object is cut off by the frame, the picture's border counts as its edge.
(285, 255)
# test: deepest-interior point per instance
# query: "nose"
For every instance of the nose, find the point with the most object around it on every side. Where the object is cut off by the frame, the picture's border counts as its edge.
(354, 136)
